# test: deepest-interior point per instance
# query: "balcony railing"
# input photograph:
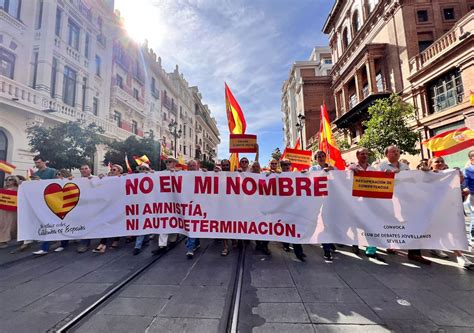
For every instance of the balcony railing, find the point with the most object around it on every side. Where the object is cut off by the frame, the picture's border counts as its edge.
(443, 44)
(128, 99)
(42, 102)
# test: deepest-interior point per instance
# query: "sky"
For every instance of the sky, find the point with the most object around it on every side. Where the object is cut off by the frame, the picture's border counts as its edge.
(250, 44)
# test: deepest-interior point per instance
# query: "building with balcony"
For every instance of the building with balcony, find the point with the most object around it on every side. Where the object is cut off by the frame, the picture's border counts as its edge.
(374, 44)
(206, 131)
(72, 60)
(303, 93)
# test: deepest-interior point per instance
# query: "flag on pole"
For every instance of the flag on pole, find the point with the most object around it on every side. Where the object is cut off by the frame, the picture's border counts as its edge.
(129, 169)
(450, 142)
(6, 167)
(236, 121)
(141, 160)
(327, 142)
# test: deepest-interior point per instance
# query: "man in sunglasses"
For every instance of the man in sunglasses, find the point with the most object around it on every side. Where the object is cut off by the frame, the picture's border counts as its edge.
(297, 248)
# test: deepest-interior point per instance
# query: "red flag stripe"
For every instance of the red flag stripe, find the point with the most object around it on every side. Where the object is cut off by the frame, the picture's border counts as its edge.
(70, 196)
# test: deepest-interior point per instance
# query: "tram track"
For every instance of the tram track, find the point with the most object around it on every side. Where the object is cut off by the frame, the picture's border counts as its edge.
(230, 316)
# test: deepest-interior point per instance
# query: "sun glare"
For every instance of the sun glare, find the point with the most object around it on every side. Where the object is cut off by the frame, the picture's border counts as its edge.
(142, 20)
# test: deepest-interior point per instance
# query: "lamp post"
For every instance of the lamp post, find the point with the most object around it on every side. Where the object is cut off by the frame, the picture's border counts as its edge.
(299, 128)
(173, 126)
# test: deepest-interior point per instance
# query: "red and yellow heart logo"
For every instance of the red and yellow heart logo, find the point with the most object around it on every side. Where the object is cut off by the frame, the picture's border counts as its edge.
(61, 200)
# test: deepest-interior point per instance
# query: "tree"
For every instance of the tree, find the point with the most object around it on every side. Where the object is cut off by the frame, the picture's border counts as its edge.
(388, 125)
(134, 146)
(276, 154)
(66, 145)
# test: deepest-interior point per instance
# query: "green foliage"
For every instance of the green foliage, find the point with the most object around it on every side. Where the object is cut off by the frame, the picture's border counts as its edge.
(342, 143)
(134, 146)
(209, 165)
(388, 125)
(276, 154)
(67, 145)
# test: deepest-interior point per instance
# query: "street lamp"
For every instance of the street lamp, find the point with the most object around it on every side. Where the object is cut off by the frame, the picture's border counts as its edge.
(299, 128)
(173, 126)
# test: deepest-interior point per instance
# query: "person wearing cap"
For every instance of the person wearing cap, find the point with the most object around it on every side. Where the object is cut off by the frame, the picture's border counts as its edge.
(225, 166)
(192, 244)
(170, 163)
(297, 248)
(141, 240)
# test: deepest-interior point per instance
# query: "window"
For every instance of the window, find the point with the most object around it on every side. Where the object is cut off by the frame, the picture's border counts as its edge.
(73, 36)
(184, 130)
(422, 15)
(356, 21)
(328, 61)
(345, 39)
(184, 151)
(446, 91)
(54, 70)
(69, 86)
(119, 81)
(118, 119)
(448, 13)
(153, 85)
(35, 69)
(95, 106)
(379, 81)
(136, 94)
(57, 27)
(39, 16)
(98, 62)
(84, 93)
(87, 45)
(134, 127)
(423, 44)
(7, 63)
(12, 7)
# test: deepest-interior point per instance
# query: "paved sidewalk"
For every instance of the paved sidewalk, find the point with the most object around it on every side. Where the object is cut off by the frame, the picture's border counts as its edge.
(354, 294)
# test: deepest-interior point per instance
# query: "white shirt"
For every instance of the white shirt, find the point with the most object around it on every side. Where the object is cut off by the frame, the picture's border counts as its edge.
(386, 165)
(357, 167)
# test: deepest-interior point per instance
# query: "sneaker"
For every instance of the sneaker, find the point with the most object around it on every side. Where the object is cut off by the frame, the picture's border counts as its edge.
(328, 257)
(40, 252)
(190, 254)
(286, 248)
(3, 245)
(136, 251)
(439, 254)
(300, 257)
(160, 250)
(465, 262)
(59, 249)
(24, 247)
(391, 251)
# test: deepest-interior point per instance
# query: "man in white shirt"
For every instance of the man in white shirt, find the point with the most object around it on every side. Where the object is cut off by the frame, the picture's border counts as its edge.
(393, 164)
(362, 164)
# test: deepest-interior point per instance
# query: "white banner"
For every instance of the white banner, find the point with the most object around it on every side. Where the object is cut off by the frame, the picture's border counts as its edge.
(318, 207)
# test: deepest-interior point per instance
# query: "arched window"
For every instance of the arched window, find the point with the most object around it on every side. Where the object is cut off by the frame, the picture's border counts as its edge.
(356, 21)
(345, 38)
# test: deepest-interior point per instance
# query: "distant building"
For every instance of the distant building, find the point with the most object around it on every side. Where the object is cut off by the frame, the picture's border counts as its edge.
(303, 93)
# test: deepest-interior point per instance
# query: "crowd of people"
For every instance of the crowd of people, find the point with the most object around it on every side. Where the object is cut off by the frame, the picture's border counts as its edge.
(392, 164)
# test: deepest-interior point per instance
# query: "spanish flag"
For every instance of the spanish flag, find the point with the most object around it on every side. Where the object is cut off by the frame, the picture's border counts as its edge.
(297, 147)
(327, 142)
(450, 142)
(6, 167)
(236, 120)
(141, 160)
(129, 169)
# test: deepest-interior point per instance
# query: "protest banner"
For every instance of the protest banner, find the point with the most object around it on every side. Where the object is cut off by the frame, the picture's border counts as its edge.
(8, 200)
(300, 159)
(242, 143)
(373, 184)
(315, 207)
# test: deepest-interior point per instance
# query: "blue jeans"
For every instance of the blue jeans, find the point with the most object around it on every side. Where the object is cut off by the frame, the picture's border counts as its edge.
(192, 243)
(45, 245)
(139, 241)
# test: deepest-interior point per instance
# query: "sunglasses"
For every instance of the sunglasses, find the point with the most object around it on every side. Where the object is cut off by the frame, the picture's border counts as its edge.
(285, 164)
(273, 163)
(244, 162)
(167, 162)
(225, 165)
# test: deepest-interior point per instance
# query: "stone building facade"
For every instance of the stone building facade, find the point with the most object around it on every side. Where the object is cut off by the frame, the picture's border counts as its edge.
(72, 60)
